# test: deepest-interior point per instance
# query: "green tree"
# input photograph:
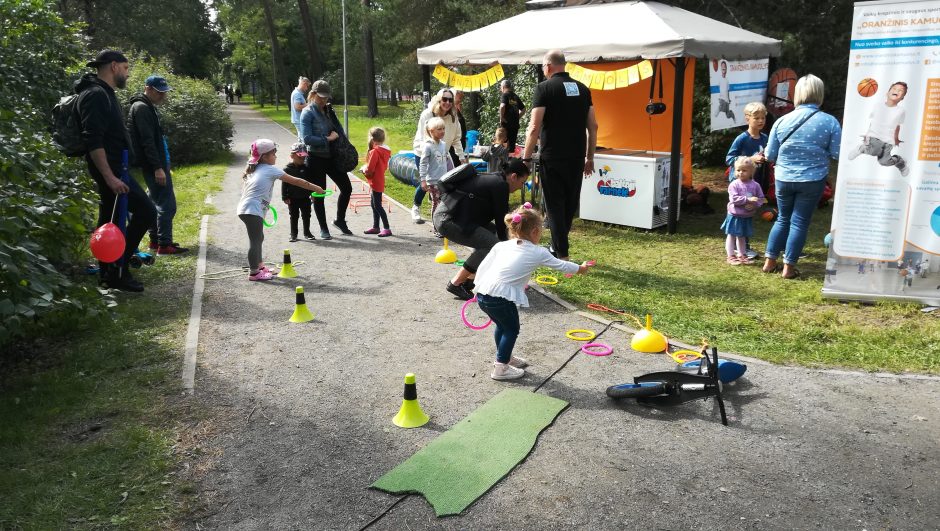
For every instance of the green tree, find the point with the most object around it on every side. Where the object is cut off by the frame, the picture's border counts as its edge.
(45, 197)
(179, 30)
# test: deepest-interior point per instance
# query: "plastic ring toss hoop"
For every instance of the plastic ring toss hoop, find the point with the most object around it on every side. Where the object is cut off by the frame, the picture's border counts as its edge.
(604, 349)
(588, 335)
(273, 215)
(682, 356)
(324, 194)
(463, 316)
(546, 280)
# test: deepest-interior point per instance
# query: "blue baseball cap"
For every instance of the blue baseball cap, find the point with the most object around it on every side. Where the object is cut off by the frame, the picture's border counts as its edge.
(159, 83)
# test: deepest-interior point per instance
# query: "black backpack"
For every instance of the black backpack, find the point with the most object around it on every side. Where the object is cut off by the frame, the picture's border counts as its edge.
(67, 127)
(450, 180)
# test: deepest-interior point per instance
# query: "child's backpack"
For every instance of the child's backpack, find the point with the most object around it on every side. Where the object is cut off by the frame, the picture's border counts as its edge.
(67, 127)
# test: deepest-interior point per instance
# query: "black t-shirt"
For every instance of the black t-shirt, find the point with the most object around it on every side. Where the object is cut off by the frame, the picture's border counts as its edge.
(513, 106)
(564, 126)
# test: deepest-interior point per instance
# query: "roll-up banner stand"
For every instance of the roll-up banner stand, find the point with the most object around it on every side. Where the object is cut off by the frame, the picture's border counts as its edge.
(885, 235)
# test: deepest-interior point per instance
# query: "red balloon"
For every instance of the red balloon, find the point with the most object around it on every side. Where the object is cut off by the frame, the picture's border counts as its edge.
(107, 243)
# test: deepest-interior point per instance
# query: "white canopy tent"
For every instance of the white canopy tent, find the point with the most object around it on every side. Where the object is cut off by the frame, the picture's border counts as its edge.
(602, 33)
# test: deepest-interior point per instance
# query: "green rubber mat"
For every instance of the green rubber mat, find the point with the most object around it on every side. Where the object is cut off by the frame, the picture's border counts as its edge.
(467, 460)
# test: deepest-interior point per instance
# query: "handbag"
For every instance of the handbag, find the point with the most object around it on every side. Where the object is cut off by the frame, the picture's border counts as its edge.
(342, 151)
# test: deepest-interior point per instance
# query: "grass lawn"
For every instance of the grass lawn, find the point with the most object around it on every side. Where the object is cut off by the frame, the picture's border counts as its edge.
(683, 281)
(90, 418)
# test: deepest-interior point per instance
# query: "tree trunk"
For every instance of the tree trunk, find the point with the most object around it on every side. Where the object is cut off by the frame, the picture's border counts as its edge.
(393, 97)
(282, 84)
(373, 109)
(313, 53)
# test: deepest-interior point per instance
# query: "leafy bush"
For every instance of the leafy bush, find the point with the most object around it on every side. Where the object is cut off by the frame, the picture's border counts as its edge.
(45, 197)
(194, 118)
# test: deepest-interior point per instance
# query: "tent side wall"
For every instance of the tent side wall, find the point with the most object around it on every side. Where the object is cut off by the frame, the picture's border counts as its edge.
(622, 122)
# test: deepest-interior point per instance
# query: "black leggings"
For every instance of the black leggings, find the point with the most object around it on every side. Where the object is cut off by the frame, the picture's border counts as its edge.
(255, 226)
(320, 169)
(377, 211)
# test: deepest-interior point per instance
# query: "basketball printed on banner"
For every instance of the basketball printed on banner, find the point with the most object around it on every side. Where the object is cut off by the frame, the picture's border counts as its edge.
(867, 87)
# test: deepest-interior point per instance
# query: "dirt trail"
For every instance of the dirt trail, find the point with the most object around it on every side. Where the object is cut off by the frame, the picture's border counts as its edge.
(302, 413)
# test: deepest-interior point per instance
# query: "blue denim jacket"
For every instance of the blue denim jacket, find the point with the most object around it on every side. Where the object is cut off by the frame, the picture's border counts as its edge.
(315, 126)
(804, 157)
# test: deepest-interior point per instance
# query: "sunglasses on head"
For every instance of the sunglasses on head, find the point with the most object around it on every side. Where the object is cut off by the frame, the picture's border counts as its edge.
(447, 99)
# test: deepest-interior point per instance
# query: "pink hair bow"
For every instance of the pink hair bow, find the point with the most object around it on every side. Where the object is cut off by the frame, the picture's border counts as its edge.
(517, 218)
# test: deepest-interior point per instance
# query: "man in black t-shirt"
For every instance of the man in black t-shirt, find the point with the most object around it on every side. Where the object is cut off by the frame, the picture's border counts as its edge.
(564, 124)
(510, 110)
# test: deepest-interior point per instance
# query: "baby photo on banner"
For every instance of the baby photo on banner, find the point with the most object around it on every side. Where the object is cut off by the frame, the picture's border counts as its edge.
(885, 234)
(733, 85)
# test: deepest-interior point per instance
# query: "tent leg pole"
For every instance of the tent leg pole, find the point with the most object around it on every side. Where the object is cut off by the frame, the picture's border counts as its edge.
(426, 83)
(675, 165)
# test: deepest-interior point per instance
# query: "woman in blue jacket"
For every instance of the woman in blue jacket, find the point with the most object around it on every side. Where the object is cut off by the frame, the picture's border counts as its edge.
(318, 127)
(801, 143)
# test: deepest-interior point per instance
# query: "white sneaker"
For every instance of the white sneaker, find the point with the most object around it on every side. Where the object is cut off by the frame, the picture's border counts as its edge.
(853, 154)
(416, 214)
(752, 254)
(505, 371)
(519, 363)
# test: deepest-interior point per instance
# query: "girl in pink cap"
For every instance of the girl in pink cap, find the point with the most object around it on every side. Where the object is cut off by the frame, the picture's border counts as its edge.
(259, 177)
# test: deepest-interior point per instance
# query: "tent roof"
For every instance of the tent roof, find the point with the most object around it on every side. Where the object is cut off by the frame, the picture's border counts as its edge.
(601, 32)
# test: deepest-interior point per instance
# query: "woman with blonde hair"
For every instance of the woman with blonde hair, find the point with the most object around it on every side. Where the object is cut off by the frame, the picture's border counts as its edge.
(441, 106)
(801, 143)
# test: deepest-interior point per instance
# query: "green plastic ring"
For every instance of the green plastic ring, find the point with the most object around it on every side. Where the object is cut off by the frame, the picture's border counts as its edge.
(273, 214)
(324, 194)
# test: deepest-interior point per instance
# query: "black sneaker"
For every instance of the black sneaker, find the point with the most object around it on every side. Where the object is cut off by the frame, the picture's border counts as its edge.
(309, 235)
(468, 285)
(293, 238)
(123, 280)
(341, 225)
(325, 235)
(459, 291)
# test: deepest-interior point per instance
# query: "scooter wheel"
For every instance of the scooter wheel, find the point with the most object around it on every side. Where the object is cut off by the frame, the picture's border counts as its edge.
(135, 261)
(148, 259)
(636, 390)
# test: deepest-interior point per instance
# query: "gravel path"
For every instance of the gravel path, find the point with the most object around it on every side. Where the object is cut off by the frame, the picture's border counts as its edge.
(301, 414)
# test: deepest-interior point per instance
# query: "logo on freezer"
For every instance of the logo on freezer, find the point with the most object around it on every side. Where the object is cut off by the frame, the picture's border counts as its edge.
(615, 186)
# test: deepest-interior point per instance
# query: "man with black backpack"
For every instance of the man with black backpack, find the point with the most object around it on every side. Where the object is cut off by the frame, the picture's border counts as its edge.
(151, 156)
(106, 142)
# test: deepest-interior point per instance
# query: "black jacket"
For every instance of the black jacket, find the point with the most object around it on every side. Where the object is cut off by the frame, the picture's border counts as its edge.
(143, 123)
(289, 191)
(102, 121)
(476, 202)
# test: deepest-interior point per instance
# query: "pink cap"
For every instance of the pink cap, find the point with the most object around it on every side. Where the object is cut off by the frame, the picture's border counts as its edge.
(259, 148)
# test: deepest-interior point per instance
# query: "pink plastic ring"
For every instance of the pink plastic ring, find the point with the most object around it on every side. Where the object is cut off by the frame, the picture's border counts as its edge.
(463, 315)
(607, 350)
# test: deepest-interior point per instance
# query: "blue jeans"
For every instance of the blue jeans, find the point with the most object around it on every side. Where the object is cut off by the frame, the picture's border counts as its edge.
(505, 316)
(164, 198)
(796, 203)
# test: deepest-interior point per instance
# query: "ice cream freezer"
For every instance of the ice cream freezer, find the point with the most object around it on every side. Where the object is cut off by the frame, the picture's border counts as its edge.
(628, 188)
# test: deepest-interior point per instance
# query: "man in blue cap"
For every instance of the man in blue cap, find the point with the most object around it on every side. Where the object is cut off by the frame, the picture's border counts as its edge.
(153, 158)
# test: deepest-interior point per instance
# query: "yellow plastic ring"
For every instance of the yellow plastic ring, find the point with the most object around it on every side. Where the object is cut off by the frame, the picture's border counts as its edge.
(588, 335)
(682, 356)
(546, 280)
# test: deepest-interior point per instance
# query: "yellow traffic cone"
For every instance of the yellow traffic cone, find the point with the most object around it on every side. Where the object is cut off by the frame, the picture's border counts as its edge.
(287, 270)
(445, 255)
(301, 313)
(648, 340)
(410, 414)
